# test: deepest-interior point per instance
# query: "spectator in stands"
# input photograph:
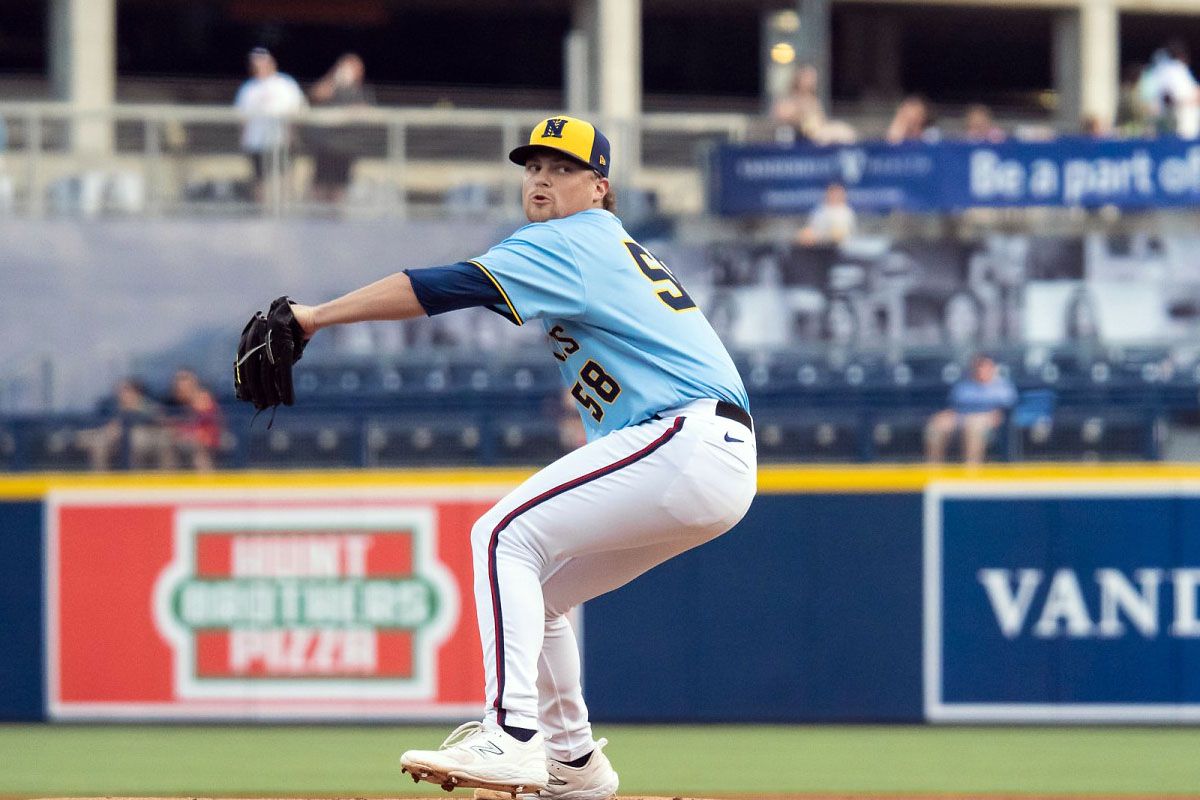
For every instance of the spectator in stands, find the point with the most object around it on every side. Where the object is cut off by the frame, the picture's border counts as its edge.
(977, 408)
(913, 122)
(197, 425)
(831, 222)
(1173, 92)
(265, 100)
(335, 148)
(1093, 127)
(134, 436)
(978, 125)
(802, 114)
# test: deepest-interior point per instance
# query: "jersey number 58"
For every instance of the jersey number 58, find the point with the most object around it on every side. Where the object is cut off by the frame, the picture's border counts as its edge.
(603, 384)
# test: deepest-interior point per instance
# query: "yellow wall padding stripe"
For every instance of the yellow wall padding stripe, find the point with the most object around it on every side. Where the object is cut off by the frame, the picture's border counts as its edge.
(850, 479)
(504, 294)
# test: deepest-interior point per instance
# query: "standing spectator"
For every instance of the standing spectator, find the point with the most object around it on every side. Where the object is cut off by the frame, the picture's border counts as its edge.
(801, 112)
(913, 122)
(197, 428)
(977, 407)
(1175, 88)
(341, 87)
(830, 222)
(264, 100)
(979, 127)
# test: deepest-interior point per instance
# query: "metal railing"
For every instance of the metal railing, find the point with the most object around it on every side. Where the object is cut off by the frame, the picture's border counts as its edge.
(170, 159)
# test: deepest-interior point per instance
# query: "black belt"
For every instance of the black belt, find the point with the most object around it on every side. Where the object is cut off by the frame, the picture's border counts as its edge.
(735, 413)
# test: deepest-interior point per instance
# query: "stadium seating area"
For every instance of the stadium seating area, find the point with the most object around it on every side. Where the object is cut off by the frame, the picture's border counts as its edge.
(1109, 404)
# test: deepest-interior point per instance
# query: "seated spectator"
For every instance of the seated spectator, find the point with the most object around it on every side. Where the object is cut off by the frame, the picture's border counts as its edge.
(978, 125)
(831, 222)
(197, 426)
(977, 408)
(913, 122)
(1093, 127)
(133, 438)
(803, 113)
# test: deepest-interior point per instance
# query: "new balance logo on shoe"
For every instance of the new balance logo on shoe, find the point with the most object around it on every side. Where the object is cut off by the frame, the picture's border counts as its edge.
(488, 749)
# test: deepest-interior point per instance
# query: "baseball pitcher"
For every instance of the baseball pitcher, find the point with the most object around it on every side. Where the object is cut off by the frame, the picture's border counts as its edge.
(670, 461)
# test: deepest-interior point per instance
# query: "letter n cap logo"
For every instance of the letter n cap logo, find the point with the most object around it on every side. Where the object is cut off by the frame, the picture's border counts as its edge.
(554, 129)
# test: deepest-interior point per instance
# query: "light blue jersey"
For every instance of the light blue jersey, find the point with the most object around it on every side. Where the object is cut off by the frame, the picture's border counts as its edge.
(629, 339)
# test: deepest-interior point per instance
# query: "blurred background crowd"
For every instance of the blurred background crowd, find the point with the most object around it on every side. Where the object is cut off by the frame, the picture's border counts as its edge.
(166, 166)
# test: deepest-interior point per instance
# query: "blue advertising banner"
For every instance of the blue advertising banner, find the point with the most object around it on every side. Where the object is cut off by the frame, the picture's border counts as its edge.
(1072, 603)
(1069, 172)
(22, 681)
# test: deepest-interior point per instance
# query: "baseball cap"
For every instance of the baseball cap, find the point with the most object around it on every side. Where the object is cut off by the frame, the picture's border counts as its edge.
(259, 52)
(576, 138)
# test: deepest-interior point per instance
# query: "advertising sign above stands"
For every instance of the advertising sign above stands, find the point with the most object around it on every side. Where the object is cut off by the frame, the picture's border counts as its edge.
(952, 176)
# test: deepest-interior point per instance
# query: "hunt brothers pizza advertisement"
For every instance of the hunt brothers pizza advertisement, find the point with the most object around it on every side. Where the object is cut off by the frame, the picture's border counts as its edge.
(255, 605)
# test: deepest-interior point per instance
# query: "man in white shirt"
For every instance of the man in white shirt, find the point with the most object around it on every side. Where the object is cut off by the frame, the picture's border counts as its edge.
(1177, 88)
(265, 100)
(831, 222)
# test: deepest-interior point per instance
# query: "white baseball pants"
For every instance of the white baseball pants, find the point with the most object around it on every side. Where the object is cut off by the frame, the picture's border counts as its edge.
(585, 525)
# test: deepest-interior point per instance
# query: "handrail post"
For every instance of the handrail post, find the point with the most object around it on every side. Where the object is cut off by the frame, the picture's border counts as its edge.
(33, 146)
(397, 156)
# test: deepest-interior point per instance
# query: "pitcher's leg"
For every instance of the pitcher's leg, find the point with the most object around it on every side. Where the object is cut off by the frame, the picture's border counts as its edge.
(564, 717)
(510, 624)
(600, 496)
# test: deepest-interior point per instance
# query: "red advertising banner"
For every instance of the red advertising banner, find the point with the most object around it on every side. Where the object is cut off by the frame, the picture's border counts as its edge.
(262, 605)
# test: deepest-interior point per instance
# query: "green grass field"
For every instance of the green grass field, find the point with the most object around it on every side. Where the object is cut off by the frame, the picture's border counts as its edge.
(700, 760)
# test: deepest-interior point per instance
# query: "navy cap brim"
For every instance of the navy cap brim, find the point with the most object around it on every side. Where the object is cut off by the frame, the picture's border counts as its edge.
(521, 154)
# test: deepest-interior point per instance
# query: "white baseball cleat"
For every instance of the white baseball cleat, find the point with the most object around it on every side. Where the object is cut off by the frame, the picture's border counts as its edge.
(480, 756)
(595, 780)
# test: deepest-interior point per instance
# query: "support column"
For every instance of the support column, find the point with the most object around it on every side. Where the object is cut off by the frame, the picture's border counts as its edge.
(1067, 64)
(614, 36)
(793, 37)
(815, 31)
(83, 66)
(1099, 56)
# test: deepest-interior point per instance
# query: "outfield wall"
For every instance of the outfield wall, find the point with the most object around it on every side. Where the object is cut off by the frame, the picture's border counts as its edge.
(1014, 593)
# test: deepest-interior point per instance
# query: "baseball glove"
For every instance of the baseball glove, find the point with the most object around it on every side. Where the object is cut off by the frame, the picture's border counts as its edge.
(271, 343)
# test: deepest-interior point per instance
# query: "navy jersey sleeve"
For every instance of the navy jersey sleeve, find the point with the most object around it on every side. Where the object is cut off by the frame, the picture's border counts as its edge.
(455, 286)
(536, 272)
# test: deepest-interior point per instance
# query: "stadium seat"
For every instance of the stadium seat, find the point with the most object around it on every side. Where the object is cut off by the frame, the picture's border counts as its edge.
(424, 440)
(55, 446)
(312, 441)
(1091, 435)
(521, 440)
(815, 436)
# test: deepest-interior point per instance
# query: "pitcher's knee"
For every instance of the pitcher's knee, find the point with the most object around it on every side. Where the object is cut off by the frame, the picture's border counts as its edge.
(482, 530)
